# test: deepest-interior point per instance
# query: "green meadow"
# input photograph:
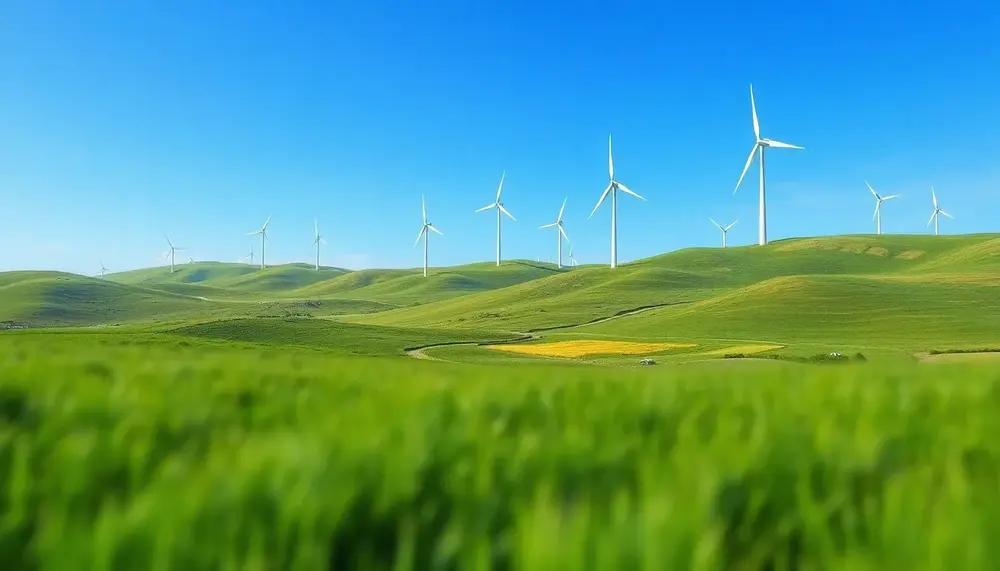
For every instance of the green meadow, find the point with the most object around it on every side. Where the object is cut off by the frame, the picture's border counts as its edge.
(228, 417)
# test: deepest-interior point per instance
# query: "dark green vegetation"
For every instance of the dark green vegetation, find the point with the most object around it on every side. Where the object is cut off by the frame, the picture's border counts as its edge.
(119, 453)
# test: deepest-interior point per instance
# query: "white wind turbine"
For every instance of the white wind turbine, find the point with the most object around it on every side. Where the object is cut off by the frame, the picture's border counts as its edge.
(170, 253)
(560, 234)
(317, 241)
(572, 260)
(103, 270)
(249, 257)
(499, 206)
(725, 229)
(760, 144)
(263, 236)
(613, 187)
(878, 207)
(428, 226)
(937, 210)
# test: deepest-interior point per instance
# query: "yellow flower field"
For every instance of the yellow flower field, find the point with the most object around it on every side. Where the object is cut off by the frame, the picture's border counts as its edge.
(744, 349)
(585, 347)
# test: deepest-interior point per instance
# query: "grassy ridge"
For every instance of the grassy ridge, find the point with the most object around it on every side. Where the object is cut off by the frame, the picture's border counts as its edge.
(701, 274)
(199, 458)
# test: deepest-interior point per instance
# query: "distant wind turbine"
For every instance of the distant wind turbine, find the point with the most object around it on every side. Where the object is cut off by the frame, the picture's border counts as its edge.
(760, 145)
(249, 256)
(317, 241)
(190, 260)
(103, 270)
(263, 236)
(499, 206)
(878, 207)
(424, 231)
(170, 253)
(725, 229)
(613, 187)
(572, 260)
(560, 234)
(937, 210)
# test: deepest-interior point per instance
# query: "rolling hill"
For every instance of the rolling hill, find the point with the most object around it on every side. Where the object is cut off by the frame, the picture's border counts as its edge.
(892, 265)
(220, 279)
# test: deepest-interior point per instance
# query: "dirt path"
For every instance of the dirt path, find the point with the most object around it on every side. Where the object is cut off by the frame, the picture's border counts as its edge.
(420, 352)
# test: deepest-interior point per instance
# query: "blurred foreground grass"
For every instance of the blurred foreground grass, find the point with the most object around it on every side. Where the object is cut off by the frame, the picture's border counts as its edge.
(205, 456)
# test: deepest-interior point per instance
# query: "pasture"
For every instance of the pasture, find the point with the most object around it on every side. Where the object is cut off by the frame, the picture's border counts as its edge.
(223, 417)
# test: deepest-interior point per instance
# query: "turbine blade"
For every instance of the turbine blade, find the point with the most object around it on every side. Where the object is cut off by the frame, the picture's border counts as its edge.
(931, 219)
(563, 232)
(877, 197)
(266, 222)
(731, 225)
(500, 188)
(423, 208)
(717, 225)
(611, 163)
(890, 197)
(603, 196)
(934, 197)
(624, 188)
(946, 214)
(420, 235)
(877, 205)
(431, 227)
(780, 145)
(316, 226)
(487, 207)
(753, 109)
(559, 218)
(504, 210)
(746, 167)
(548, 225)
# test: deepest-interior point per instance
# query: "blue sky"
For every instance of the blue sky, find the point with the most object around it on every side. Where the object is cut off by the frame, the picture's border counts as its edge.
(200, 118)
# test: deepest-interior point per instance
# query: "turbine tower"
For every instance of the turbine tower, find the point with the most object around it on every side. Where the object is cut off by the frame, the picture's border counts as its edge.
(724, 229)
(937, 210)
(760, 145)
(263, 236)
(878, 207)
(317, 241)
(560, 234)
(613, 187)
(170, 253)
(499, 206)
(428, 226)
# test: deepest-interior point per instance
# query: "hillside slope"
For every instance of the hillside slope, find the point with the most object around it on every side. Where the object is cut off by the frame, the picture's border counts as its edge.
(226, 279)
(699, 274)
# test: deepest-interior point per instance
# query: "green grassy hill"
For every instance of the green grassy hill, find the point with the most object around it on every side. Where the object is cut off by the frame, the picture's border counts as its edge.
(222, 279)
(59, 299)
(892, 264)
(405, 287)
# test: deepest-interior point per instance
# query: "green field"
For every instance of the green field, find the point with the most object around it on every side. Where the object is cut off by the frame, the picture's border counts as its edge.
(227, 417)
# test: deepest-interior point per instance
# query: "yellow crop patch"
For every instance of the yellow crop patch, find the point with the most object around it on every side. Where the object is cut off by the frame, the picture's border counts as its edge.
(585, 347)
(741, 349)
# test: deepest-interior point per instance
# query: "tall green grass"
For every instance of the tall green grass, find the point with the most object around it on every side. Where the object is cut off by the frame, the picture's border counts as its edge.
(118, 457)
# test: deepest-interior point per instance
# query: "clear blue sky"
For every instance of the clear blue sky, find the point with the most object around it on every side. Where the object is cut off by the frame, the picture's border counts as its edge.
(122, 121)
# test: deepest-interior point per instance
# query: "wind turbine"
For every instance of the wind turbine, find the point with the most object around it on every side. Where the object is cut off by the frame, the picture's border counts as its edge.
(103, 270)
(263, 236)
(560, 234)
(170, 253)
(613, 187)
(190, 260)
(878, 207)
(250, 255)
(572, 260)
(937, 210)
(724, 229)
(317, 241)
(499, 206)
(760, 144)
(428, 226)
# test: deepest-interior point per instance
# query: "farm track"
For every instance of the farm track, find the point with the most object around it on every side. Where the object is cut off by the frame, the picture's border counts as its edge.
(532, 335)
